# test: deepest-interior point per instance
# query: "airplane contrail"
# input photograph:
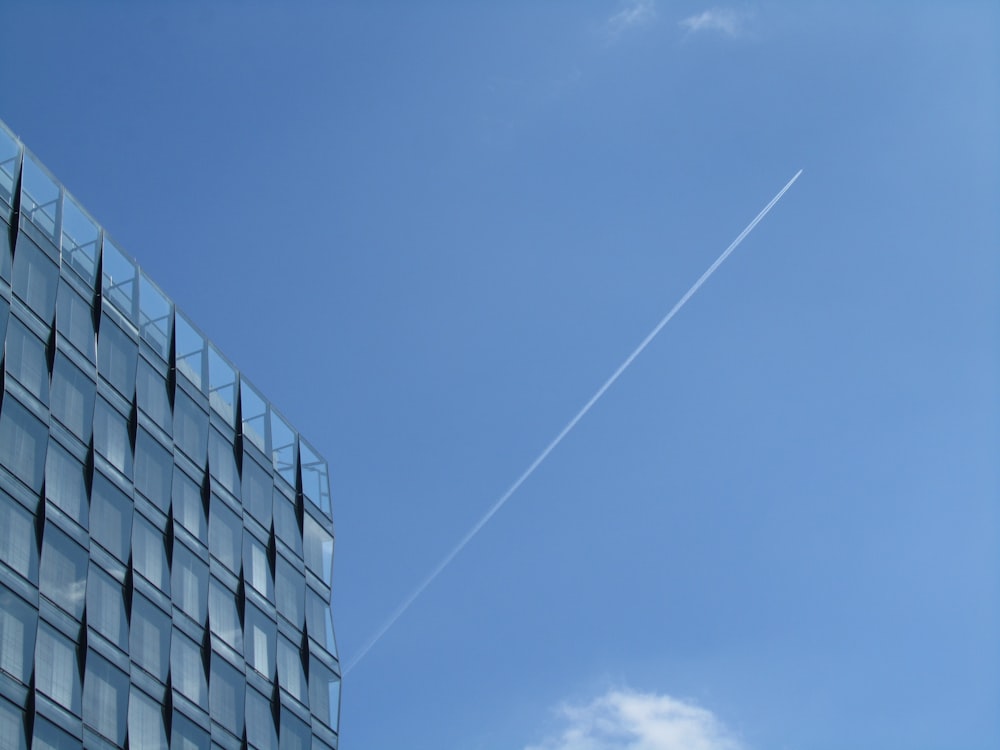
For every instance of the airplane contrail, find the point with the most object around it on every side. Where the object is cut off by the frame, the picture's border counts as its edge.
(405, 605)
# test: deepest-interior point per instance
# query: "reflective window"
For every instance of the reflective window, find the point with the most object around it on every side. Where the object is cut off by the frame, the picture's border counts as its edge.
(56, 672)
(10, 157)
(286, 525)
(22, 443)
(111, 438)
(145, 723)
(39, 197)
(189, 510)
(190, 427)
(187, 670)
(149, 640)
(294, 734)
(225, 535)
(256, 568)
(17, 538)
(186, 735)
(257, 489)
(6, 254)
(110, 517)
(151, 394)
(75, 320)
(254, 411)
(105, 698)
(47, 736)
(73, 395)
(190, 351)
(221, 386)
(290, 589)
(222, 616)
(190, 582)
(63, 571)
(319, 620)
(283, 448)
(80, 238)
(318, 548)
(17, 635)
(12, 735)
(226, 695)
(315, 482)
(222, 461)
(261, 732)
(106, 607)
(149, 555)
(116, 358)
(65, 483)
(35, 279)
(25, 359)
(290, 674)
(261, 635)
(118, 280)
(324, 692)
(155, 318)
(153, 469)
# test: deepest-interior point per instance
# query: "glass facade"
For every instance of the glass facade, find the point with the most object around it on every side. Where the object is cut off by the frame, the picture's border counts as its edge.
(166, 536)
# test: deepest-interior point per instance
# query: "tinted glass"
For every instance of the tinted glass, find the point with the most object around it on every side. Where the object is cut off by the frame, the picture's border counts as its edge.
(190, 583)
(75, 320)
(149, 643)
(151, 394)
(222, 615)
(72, 397)
(25, 359)
(261, 635)
(190, 428)
(290, 589)
(116, 358)
(294, 734)
(145, 723)
(187, 670)
(12, 735)
(189, 510)
(111, 437)
(65, 483)
(22, 443)
(222, 462)
(149, 555)
(17, 635)
(286, 526)
(105, 698)
(56, 673)
(153, 469)
(186, 735)
(63, 571)
(226, 695)
(319, 620)
(290, 674)
(324, 691)
(261, 732)
(48, 736)
(106, 607)
(110, 517)
(35, 278)
(257, 490)
(225, 534)
(17, 538)
(256, 568)
(318, 549)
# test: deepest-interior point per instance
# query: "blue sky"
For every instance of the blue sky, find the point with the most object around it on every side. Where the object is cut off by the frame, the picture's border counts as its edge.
(430, 231)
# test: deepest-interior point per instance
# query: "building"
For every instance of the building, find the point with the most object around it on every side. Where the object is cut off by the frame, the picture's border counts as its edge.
(166, 537)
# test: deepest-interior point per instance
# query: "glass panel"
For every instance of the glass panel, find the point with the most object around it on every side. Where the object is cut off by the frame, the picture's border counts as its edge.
(222, 616)
(153, 469)
(295, 734)
(221, 386)
(149, 642)
(190, 583)
(190, 351)
(286, 525)
(225, 535)
(256, 569)
(111, 438)
(75, 320)
(254, 410)
(261, 638)
(47, 736)
(283, 448)
(149, 555)
(257, 489)
(226, 695)
(222, 461)
(6, 255)
(319, 549)
(145, 723)
(80, 238)
(261, 733)
(189, 511)
(39, 197)
(56, 672)
(190, 427)
(290, 674)
(290, 588)
(110, 517)
(155, 317)
(324, 690)
(315, 480)
(106, 607)
(319, 620)
(63, 571)
(118, 284)
(151, 394)
(186, 735)
(105, 698)
(26, 359)
(18, 620)
(65, 483)
(36, 279)
(12, 735)
(10, 156)
(17, 538)
(23, 441)
(73, 395)
(187, 670)
(116, 358)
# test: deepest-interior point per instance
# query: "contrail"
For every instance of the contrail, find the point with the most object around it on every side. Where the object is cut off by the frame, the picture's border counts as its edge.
(370, 643)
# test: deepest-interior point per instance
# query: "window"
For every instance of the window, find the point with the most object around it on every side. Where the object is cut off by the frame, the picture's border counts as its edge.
(17, 538)
(186, 735)
(290, 674)
(283, 448)
(110, 517)
(65, 483)
(190, 351)
(153, 469)
(145, 723)
(118, 283)
(257, 489)
(116, 358)
(319, 620)
(286, 526)
(39, 197)
(22, 443)
(221, 386)
(190, 427)
(106, 607)
(26, 359)
(105, 697)
(290, 589)
(111, 438)
(260, 724)
(222, 461)
(225, 532)
(319, 549)
(261, 634)
(63, 571)
(80, 238)
(36, 278)
(155, 317)
(226, 695)
(295, 734)
(324, 692)
(256, 568)
(151, 394)
(72, 397)
(47, 736)
(17, 635)
(190, 583)
(222, 616)
(75, 320)
(56, 673)
(149, 644)
(187, 670)
(149, 555)
(189, 510)
(11, 724)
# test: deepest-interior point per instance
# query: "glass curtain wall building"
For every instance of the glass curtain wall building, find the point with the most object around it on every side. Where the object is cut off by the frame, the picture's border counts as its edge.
(166, 537)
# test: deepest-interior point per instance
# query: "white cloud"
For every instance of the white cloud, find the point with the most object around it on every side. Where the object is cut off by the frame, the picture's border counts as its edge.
(723, 20)
(633, 13)
(628, 720)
